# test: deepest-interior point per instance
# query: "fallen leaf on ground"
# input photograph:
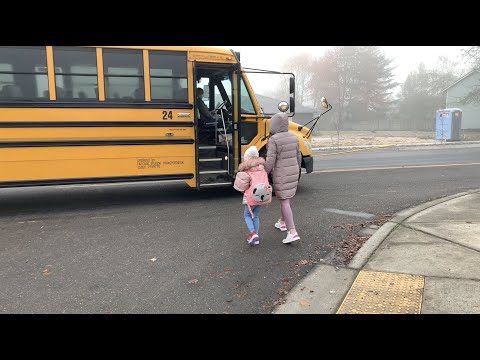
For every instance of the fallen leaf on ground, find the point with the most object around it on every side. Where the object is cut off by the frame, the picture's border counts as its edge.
(153, 259)
(279, 301)
(193, 281)
(282, 292)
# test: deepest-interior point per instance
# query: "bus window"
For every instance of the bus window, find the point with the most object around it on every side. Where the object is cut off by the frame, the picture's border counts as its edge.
(203, 83)
(23, 73)
(227, 85)
(123, 71)
(246, 101)
(6, 76)
(249, 132)
(168, 75)
(75, 73)
(161, 83)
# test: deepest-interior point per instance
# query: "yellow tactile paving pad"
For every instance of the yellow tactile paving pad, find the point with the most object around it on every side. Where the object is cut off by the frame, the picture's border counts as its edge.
(384, 293)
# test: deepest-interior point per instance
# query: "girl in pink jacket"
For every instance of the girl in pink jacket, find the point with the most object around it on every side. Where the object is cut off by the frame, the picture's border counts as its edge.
(242, 182)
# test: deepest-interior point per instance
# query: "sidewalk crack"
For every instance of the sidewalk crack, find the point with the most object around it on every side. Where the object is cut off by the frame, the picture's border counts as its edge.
(439, 237)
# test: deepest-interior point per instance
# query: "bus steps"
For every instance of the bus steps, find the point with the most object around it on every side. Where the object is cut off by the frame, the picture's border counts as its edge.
(212, 167)
(210, 164)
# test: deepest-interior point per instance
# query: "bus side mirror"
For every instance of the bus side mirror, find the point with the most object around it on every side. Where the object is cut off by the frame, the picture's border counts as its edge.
(292, 85)
(324, 102)
(292, 104)
(283, 106)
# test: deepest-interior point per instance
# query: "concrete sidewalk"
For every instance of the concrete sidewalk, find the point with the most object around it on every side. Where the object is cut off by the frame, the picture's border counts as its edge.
(425, 260)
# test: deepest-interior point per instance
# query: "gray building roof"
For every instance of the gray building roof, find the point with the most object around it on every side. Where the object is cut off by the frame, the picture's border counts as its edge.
(463, 77)
(270, 105)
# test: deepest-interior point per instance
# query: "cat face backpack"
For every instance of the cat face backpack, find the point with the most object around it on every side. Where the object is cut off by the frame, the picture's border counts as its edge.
(260, 190)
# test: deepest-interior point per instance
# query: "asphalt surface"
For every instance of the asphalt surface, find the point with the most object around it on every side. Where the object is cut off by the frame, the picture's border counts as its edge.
(89, 249)
(392, 157)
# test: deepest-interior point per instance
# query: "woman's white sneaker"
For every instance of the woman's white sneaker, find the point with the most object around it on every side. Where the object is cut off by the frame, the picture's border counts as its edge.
(290, 238)
(281, 227)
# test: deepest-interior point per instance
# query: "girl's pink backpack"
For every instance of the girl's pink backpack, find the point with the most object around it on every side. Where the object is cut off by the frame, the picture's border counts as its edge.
(260, 190)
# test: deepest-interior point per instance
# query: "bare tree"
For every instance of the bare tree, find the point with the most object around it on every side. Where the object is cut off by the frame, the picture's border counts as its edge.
(301, 66)
(278, 90)
(472, 56)
(332, 77)
(422, 94)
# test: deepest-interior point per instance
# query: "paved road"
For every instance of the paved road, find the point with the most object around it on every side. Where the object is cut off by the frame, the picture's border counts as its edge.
(375, 158)
(87, 249)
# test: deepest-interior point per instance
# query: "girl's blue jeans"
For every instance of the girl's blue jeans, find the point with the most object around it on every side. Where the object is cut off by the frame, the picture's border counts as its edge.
(253, 224)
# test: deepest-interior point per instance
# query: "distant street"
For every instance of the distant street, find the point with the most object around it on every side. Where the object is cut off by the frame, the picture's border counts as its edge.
(394, 157)
(164, 248)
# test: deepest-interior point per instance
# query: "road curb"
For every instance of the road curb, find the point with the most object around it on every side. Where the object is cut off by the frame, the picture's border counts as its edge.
(320, 292)
(369, 247)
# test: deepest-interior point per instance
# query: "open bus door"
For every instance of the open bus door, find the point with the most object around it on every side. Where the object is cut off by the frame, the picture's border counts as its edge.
(217, 136)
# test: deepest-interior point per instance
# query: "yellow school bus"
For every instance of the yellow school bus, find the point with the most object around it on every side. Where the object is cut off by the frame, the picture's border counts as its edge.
(95, 114)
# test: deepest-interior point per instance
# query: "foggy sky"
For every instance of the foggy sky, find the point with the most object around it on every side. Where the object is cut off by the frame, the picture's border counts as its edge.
(405, 58)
